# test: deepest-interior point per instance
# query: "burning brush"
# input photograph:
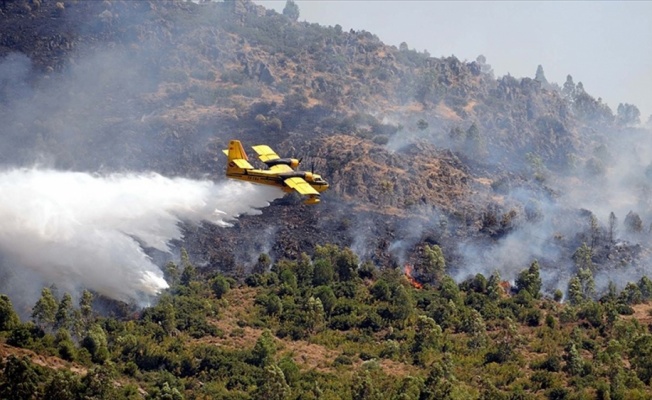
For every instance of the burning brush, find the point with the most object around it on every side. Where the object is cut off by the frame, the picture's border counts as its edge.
(408, 275)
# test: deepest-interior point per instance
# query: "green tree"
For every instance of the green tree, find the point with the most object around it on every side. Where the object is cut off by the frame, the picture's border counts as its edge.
(323, 273)
(327, 297)
(645, 286)
(273, 385)
(587, 283)
(381, 290)
(530, 280)
(45, 310)
(494, 290)
(171, 273)
(96, 344)
(64, 385)
(432, 265)
(65, 345)
(427, 336)
(574, 362)
(220, 286)
(264, 350)
(86, 305)
(64, 315)
(20, 379)
(641, 358)
(363, 387)
(314, 314)
(165, 392)
(583, 257)
(291, 10)
(540, 76)
(263, 264)
(437, 385)
(98, 384)
(273, 305)
(305, 270)
(402, 305)
(473, 324)
(8, 317)
(347, 264)
(575, 294)
(189, 273)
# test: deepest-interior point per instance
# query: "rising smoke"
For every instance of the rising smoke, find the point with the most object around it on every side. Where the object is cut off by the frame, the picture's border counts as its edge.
(79, 230)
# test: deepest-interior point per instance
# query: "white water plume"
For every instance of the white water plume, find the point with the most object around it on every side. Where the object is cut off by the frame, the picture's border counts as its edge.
(81, 230)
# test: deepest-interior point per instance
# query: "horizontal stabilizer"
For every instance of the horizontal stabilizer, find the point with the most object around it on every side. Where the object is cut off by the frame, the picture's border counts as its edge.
(243, 164)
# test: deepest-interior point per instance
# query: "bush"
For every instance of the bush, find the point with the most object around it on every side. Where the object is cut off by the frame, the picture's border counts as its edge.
(342, 359)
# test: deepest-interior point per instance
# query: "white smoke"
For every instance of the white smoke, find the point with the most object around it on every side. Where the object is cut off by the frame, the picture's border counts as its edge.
(80, 230)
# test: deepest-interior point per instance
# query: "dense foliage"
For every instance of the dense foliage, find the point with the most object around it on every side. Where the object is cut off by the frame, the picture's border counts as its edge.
(329, 327)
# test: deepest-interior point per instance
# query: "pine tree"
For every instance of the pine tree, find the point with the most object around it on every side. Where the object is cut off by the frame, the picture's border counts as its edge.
(45, 310)
(569, 88)
(64, 316)
(96, 344)
(172, 274)
(291, 10)
(427, 336)
(633, 222)
(86, 304)
(587, 283)
(8, 317)
(346, 263)
(530, 280)
(574, 362)
(273, 385)
(263, 264)
(264, 349)
(613, 221)
(220, 286)
(432, 266)
(540, 76)
(575, 295)
(314, 314)
(583, 257)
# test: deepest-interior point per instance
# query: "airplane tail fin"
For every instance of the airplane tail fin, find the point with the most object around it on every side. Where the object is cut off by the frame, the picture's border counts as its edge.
(236, 151)
(237, 158)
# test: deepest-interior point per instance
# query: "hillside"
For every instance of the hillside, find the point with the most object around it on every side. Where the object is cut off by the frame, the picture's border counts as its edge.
(433, 162)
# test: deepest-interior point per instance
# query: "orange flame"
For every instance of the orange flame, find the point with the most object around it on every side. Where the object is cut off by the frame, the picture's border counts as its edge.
(408, 275)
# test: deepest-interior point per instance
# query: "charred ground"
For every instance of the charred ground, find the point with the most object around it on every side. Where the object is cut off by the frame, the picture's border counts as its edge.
(410, 143)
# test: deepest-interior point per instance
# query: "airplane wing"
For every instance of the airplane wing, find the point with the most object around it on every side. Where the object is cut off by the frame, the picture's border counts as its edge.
(265, 153)
(301, 186)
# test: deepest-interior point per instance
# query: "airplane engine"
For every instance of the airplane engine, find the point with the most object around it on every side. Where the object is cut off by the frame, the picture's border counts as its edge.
(291, 162)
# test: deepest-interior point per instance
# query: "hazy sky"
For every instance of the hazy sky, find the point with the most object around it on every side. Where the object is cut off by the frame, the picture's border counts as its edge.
(605, 45)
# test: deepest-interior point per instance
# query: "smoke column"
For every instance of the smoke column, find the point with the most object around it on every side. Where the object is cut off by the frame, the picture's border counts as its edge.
(82, 230)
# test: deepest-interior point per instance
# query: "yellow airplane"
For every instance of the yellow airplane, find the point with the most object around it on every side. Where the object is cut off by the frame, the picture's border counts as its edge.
(281, 173)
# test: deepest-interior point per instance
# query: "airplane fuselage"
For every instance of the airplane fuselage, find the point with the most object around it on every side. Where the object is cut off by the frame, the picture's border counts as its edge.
(264, 177)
